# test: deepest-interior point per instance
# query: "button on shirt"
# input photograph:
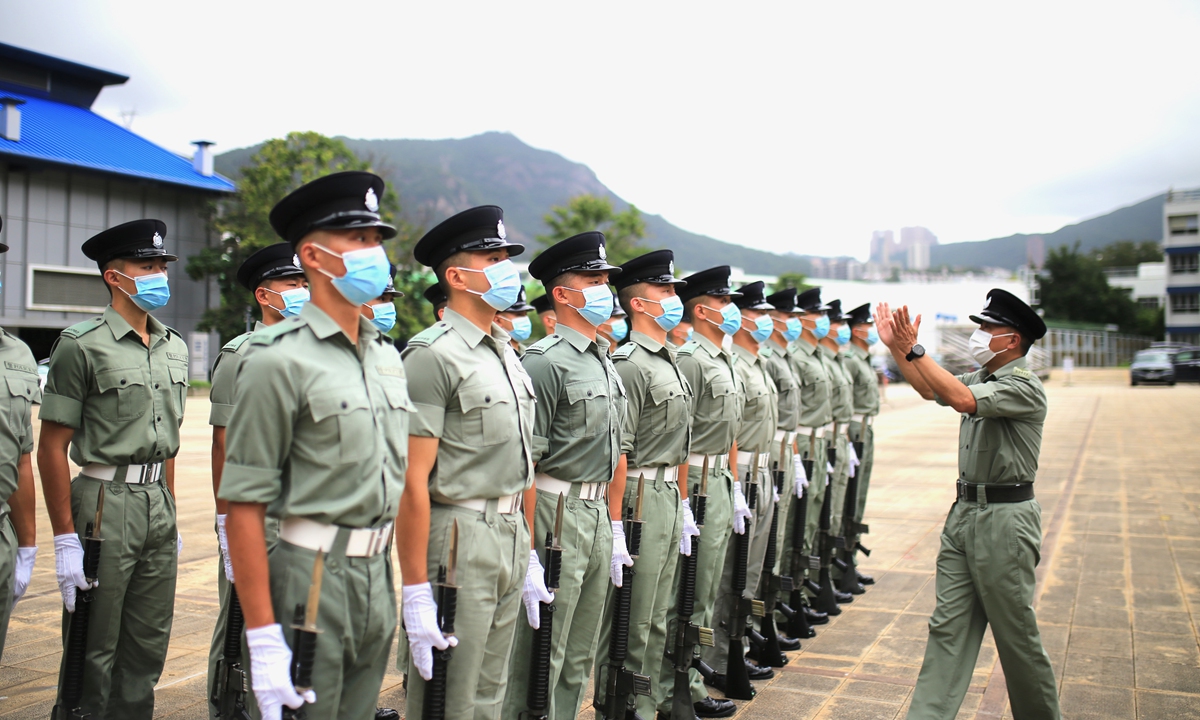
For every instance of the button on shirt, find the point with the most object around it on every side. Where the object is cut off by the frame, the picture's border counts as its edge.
(580, 407)
(224, 378)
(658, 425)
(124, 400)
(856, 363)
(717, 389)
(1000, 443)
(761, 413)
(320, 425)
(472, 393)
(775, 357)
(840, 392)
(19, 394)
(815, 407)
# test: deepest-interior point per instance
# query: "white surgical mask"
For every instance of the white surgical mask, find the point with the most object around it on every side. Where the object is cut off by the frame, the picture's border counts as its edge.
(980, 345)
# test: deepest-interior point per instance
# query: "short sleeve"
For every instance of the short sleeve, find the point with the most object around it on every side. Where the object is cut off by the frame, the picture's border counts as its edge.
(260, 430)
(224, 382)
(429, 389)
(636, 388)
(546, 390)
(66, 384)
(1009, 397)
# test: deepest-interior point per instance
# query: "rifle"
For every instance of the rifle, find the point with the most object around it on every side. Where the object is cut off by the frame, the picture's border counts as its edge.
(304, 638)
(794, 611)
(69, 707)
(737, 679)
(537, 699)
(621, 683)
(851, 529)
(229, 691)
(434, 706)
(827, 598)
(687, 635)
(765, 645)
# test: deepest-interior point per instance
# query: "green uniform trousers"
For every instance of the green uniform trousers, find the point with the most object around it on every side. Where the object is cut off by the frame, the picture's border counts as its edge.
(837, 493)
(815, 492)
(652, 597)
(787, 496)
(217, 648)
(578, 603)
(714, 536)
(493, 555)
(865, 464)
(8, 567)
(357, 619)
(133, 606)
(985, 574)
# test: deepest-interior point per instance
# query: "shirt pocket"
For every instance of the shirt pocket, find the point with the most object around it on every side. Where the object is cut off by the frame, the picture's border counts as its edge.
(123, 394)
(588, 413)
(488, 415)
(721, 403)
(344, 428)
(21, 394)
(669, 408)
(179, 388)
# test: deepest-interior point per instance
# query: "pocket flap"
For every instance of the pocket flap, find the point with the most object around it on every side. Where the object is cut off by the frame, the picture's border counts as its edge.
(586, 390)
(20, 387)
(179, 375)
(118, 378)
(662, 393)
(483, 396)
(398, 399)
(721, 386)
(329, 403)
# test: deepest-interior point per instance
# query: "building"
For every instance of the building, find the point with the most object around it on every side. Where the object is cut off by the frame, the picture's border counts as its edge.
(1146, 282)
(1181, 243)
(882, 243)
(915, 242)
(67, 173)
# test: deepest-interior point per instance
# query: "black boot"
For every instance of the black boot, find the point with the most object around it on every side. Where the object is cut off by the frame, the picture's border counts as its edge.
(865, 579)
(386, 714)
(710, 707)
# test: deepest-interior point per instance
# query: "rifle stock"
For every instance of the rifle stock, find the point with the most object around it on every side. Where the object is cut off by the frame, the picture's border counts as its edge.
(230, 690)
(69, 707)
(687, 635)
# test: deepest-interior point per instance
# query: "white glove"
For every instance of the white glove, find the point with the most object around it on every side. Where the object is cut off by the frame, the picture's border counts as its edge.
(68, 565)
(852, 458)
(535, 591)
(776, 491)
(25, 558)
(741, 509)
(690, 529)
(828, 473)
(620, 554)
(801, 476)
(223, 541)
(420, 622)
(271, 672)
(178, 545)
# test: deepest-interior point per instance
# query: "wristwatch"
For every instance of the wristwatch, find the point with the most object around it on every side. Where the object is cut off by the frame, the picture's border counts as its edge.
(917, 351)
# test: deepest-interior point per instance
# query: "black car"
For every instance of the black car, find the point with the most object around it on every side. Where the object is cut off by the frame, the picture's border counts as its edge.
(1152, 366)
(1187, 365)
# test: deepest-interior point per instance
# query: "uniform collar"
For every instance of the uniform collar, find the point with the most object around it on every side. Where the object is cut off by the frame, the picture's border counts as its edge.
(802, 346)
(745, 354)
(464, 327)
(258, 325)
(1021, 362)
(579, 341)
(856, 351)
(774, 345)
(324, 327)
(708, 346)
(121, 327)
(826, 352)
(646, 341)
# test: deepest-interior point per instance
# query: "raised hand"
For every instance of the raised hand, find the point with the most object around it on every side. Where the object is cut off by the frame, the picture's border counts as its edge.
(883, 324)
(904, 331)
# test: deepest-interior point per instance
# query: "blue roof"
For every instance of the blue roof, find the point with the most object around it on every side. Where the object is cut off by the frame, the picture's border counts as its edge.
(69, 135)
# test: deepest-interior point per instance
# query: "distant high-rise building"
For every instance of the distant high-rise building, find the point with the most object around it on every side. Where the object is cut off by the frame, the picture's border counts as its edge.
(916, 241)
(1035, 251)
(882, 243)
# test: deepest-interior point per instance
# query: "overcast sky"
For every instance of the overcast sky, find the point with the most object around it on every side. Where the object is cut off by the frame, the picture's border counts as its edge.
(793, 126)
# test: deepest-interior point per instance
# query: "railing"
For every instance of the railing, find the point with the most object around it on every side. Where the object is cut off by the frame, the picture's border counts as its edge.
(1089, 348)
(1183, 195)
(1121, 272)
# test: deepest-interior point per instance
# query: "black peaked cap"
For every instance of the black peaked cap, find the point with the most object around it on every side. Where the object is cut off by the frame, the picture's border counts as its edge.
(584, 252)
(1004, 308)
(618, 311)
(269, 263)
(134, 239)
(835, 311)
(784, 300)
(656, 268)
(340, 201)
(713, 281)
(860, 315)
(541, 303)
(810, 301)
(435, 295)
(480, 228)
(520, 306)
(752, 297)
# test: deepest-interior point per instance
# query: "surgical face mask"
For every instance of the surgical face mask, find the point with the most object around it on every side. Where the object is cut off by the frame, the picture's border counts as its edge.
(843, 335)
(672, 308)
(619, 330)
(293, 301)
(980, 345)
(690, 332)
(872, 336)
(504, 280)
(731, 318)
(521, 328)
(597, 304)
(763, 327)
(793, 330)
(366, 273)
(152, 293)
(384, 316)
(822, 328)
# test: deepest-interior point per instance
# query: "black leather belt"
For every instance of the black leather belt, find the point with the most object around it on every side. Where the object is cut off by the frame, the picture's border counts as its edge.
(996, 493)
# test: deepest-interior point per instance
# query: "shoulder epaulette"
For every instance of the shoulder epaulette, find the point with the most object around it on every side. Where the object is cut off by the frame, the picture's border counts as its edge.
(1023, 373)
(623, 352)
(766, 351)
(541, 346)
(269, 335)
(235, 344)
(173, 331)
(430, 335)
(83, 328)
(688, 348)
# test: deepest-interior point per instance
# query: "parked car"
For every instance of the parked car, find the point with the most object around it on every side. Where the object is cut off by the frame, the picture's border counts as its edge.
(1186, 364)
(1152, 366)
(43, 372)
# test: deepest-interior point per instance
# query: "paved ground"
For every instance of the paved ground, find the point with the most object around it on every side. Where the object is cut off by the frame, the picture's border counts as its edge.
(1120, 571)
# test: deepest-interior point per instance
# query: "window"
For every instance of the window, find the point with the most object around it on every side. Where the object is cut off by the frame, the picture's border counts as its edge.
(67, 289)
(1185, 263)
(1148, 302)
(1184, 224)
(1185, 303)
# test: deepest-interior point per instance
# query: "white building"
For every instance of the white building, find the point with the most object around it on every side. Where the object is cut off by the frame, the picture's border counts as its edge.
(1181, 242)
(1147, 283)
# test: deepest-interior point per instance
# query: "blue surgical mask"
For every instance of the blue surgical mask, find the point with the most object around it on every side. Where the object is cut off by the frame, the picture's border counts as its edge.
(822, 328)
(794, 328)
(597, 304)
(384, 316)
(843, 335)
(731, 318)
(763, 327)
(690, 333)
(366, 273)
(152, 293)
(521, 328)
(293, 301)
(620, 329)
(672, 311)
(872, 336)
(504, 280)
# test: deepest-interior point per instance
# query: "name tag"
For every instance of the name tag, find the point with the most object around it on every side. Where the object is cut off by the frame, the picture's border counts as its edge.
(177, 356)
(392, 370)
(22, 368)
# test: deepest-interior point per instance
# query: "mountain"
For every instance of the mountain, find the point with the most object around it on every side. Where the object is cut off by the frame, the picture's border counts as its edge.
(437, 178)
(1140, 221)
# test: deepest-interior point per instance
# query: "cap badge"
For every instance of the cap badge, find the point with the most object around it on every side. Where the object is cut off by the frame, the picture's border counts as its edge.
(296, 260)
(157, 240)
(603, 254)
(371, 201)
(670, 267)
(987, 302)
(500, 230)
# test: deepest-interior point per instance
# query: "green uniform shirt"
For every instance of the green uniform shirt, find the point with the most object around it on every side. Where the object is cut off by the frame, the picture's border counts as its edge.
(810, 373)
(16, 432)
(224, 378)
(124, 400)
(856, 363)
(760, 415)
(717, 389)
(775, 357)
(841, 393)
(1000, 443)
(320, 426)
(580, 408)
(658, 427)
(471, 392)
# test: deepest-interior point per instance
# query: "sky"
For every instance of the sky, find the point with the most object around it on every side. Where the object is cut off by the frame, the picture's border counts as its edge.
(789, 126)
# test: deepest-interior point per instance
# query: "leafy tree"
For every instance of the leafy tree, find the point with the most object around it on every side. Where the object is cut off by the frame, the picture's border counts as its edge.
(1075, 289)
(1127, 253)
(623, 231)
(790, 280)
(279, 167)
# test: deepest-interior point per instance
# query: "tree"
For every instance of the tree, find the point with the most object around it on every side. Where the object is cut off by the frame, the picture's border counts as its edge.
(1075, 289)
(623, 231)
(790, 280)
(281, 166)
(1126, 253)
